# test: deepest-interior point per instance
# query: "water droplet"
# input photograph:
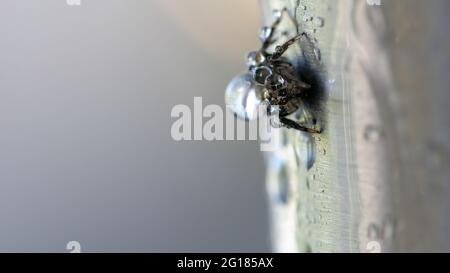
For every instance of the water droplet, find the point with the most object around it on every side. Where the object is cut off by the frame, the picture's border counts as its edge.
(437, 156)
(305, 152)
(373, 231)
(319, 21)
(299, 210)
(310, 31)
(276, 13)
(389, 229)
(264, 33)
(285, 138)
(308, 184)
(244, 96)
(372, 133)
(318, 54)
(282, 194)
(307, 248)
(319, 244)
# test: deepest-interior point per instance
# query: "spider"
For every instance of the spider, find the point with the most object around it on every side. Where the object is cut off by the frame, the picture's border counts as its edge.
(269, 81)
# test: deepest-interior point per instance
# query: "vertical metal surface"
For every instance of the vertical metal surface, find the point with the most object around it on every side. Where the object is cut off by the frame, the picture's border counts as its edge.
(377, 178)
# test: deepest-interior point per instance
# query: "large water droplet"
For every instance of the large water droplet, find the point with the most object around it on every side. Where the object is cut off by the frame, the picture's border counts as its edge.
(244, 96)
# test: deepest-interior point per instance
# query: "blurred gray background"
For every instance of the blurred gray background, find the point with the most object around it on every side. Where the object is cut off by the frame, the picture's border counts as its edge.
(85, 147)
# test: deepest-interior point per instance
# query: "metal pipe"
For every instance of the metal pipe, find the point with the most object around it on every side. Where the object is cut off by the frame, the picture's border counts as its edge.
(377, 179)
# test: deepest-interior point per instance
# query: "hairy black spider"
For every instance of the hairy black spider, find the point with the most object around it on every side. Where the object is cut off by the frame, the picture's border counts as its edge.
(270, 80)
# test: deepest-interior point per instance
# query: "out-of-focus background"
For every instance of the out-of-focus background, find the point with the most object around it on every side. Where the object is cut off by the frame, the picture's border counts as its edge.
(86, 153)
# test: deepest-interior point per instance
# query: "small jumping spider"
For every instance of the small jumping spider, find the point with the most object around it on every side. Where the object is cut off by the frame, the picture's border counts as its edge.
(269, 81)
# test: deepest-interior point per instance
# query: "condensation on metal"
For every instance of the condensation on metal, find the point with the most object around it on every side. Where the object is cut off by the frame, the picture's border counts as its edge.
(377, 179)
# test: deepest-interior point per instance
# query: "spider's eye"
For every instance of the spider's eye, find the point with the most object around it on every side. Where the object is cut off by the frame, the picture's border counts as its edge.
(244, 96)
(254, 59)
(276, 81)
(261, 74)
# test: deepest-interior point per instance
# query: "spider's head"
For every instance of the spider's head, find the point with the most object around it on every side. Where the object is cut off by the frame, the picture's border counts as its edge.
(258, 66)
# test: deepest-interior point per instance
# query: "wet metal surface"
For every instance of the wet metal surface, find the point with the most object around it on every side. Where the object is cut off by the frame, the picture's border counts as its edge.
(377, 179)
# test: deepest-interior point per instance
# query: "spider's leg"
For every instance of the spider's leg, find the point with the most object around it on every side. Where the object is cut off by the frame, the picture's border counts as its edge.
(293, 93)
(289, 123)
(269, 40)
(282, 64)
(280, 50)
(286, 74)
